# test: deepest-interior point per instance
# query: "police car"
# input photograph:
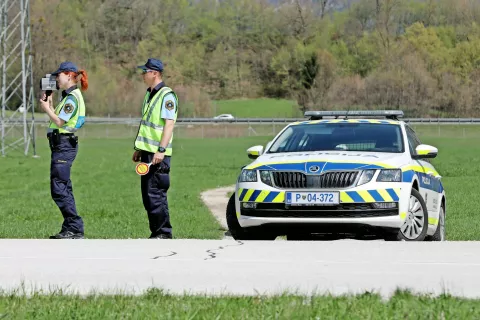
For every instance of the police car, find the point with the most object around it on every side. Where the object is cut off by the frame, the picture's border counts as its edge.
(342, 174)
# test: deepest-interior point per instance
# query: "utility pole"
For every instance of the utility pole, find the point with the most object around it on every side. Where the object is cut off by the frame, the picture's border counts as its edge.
(16, 95)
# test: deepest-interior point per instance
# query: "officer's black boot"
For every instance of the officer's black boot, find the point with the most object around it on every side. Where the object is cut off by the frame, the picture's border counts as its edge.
(67, 235)
(152, 224)
(155, 222)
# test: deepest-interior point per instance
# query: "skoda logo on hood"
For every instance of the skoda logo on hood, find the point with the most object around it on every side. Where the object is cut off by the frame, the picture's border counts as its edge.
(314, 168)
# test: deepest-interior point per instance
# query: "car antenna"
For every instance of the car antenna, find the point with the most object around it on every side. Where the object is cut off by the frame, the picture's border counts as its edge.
(348, 110)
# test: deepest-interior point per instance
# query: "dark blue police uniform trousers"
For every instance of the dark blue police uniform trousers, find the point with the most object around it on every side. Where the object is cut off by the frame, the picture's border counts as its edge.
(63, 156)
(154, 187)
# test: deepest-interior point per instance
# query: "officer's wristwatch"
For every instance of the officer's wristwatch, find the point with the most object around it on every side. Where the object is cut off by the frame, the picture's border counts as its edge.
(161, 149)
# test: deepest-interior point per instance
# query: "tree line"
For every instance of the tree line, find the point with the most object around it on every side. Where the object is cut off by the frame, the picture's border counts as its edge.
(419, 56)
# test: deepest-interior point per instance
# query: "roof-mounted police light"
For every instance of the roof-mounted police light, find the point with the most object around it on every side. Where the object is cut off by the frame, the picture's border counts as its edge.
(389, 114)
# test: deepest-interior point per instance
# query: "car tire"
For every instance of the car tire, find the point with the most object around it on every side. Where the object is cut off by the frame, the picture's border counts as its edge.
(239, 233)
(440, 234)
(415, 226)
(299, 237)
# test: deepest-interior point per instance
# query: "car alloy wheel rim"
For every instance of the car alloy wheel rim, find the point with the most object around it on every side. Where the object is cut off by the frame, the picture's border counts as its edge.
(414, 222)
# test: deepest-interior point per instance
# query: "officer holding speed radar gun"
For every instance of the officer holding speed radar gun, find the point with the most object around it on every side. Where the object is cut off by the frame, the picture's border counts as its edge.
(65, 120)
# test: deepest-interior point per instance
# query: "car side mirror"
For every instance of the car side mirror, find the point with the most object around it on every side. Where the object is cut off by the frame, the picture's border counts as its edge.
(425, 151)
(255, 152)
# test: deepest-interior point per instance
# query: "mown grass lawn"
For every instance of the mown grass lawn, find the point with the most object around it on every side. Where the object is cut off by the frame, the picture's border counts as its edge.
(107, 190)
(157, 305)
(258, 108)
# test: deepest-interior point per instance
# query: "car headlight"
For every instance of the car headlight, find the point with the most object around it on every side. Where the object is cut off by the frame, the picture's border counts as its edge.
(266, 177)
(248, 176)
(366, 176)
(390, 175)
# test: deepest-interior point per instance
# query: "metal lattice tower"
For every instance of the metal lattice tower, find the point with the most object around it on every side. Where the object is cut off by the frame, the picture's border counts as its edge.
(16, 95)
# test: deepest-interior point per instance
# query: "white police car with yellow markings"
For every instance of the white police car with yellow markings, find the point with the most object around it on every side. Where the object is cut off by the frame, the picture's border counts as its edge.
(357, 173)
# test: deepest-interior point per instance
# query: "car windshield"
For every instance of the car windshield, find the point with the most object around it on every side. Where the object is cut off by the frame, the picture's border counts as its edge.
(368, 137)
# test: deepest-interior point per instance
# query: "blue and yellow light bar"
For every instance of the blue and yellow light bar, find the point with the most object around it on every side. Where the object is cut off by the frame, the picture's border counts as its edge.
(389, 114)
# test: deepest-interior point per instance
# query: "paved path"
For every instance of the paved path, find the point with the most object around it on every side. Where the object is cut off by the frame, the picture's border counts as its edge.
(216, 200)
(244, 268)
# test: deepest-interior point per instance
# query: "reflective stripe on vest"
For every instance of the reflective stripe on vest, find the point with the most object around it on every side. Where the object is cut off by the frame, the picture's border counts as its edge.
(77, 120)
(151, 127)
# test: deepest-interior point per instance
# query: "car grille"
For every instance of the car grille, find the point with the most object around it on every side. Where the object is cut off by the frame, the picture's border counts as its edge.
(320, 214)
(327, 180)
(344, 210)
(339, 207)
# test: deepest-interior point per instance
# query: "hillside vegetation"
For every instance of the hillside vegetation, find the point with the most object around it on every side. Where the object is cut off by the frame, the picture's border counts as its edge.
(420, 56)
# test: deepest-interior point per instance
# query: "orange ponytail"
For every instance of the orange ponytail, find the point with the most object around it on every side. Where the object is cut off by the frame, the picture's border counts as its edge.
(83, 79)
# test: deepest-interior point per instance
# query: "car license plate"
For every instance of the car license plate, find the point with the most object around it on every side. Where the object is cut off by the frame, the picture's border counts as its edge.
(312, 198)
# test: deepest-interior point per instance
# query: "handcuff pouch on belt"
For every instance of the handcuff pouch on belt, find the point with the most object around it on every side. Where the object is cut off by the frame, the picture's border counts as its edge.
(55, 136)
(163, 168)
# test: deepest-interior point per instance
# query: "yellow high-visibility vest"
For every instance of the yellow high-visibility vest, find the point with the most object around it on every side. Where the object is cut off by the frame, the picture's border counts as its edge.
(78, 118)
(151, 127)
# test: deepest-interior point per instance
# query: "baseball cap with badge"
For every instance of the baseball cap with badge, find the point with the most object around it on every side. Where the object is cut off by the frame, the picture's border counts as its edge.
(152, 64)
(66, 66)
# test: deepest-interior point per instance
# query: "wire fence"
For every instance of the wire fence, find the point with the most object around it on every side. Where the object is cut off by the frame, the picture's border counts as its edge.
(232, 130)
(183, 130)
(215, 130)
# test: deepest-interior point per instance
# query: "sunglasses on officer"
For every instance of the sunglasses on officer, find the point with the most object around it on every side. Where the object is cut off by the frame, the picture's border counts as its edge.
(145, 71)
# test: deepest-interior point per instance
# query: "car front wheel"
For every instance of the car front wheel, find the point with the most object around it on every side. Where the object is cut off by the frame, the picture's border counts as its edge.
(239, 233)
(415, 226)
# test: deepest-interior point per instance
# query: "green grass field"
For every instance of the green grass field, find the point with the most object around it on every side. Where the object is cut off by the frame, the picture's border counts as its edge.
(258, 108)
(107, 190)
(108, 197)
(157, 305)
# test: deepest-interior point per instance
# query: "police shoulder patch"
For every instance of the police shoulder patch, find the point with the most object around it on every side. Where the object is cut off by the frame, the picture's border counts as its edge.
(68, 108)
(169, 105)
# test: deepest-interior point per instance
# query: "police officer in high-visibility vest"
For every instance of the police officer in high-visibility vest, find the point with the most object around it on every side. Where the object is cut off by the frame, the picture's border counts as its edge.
(65, 120)
(153, 144)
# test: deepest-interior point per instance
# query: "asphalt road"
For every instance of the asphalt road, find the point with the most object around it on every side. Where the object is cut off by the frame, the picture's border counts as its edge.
(241, 268)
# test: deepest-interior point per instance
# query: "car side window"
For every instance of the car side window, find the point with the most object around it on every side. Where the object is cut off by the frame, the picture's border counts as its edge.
(281, 143)
(413, 140)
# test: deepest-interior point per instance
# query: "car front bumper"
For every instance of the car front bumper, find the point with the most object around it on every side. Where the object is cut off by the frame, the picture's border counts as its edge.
(357, 207)
(341, 214)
